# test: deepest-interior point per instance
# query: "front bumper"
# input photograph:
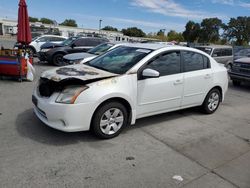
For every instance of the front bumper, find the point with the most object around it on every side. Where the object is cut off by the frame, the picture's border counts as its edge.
(42, 56)
(239, 77)
(64, 117)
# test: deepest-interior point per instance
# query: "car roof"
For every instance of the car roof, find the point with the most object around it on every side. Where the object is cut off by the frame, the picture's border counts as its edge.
(155, 47)
(215, 46)
(52, 36)
(150, 46)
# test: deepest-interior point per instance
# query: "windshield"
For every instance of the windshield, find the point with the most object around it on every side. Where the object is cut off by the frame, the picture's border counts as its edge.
(33, 39)
(68, 41)
(205, 49)
(119, 60)
(100, 49)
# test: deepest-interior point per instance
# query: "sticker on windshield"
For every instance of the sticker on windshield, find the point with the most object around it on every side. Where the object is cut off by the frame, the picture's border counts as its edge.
(143, 51)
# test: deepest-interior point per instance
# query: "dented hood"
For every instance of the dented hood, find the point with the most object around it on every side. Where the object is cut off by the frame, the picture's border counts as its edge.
(81, 72)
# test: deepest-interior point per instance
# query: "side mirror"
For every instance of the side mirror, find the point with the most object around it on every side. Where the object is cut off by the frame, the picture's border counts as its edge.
(73, 45)
(150, 73)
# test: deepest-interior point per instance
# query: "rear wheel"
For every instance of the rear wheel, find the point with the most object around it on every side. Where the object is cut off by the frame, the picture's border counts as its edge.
(212, 101)
(58, 60)
(109, 120)
(236, 83)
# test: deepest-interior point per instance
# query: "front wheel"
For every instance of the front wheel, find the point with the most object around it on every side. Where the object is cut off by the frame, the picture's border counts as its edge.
(212, 101)
(31, 51)
(109, 120)
(58, 60)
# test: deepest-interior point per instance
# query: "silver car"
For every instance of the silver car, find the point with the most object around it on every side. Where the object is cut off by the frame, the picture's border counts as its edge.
(221, 53)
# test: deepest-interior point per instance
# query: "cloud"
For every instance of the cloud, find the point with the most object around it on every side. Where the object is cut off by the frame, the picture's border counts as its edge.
(233, 3)
(171, 8)
(225, 2)
(245, 5)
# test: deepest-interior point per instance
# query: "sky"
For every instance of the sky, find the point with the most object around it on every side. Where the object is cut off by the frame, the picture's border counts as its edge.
(149, 15)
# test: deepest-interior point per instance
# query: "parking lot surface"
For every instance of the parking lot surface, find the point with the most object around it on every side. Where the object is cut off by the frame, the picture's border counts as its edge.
(205, 150)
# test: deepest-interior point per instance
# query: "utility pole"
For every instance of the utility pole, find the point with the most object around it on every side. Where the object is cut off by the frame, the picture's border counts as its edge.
(100, 26)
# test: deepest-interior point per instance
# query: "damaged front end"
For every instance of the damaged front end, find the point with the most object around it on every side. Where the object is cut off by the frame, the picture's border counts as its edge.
(68, 89)
(76, 76)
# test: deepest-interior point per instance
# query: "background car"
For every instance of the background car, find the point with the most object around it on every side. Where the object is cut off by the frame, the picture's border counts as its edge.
(76, 58)
(74, 45)
(242, 53)
(128, 83)
(37, 42)
(240, 71)
(222, 54)
(50, 45)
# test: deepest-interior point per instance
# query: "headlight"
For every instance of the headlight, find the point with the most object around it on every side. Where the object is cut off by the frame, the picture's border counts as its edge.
(77, 61)
(70, 94)
(45, 50)
(236, 64)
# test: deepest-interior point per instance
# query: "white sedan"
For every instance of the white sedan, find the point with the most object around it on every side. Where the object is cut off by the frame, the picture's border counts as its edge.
(128, 83)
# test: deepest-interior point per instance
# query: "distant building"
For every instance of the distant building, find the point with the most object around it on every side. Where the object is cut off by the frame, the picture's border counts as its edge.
(9, 27)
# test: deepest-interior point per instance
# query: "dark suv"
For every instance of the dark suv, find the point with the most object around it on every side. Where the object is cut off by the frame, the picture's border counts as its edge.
(82, 44)
(240, 71)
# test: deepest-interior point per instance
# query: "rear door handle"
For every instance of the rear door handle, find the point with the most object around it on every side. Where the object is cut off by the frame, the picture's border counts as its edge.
(178, 82)
(207, 76)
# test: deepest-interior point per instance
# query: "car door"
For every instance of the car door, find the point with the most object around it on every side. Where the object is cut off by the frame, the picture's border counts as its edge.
(198, 78)
(80, 45)
(162, 94)
(218, 55)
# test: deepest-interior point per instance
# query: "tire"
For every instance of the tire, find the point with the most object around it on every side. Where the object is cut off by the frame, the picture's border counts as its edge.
(211, 102)
(32, 51)
(236, 83)
(58, 60)
(229, 67)
(114, 116)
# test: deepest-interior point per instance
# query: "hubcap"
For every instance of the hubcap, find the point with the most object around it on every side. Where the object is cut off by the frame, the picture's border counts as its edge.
(213, 101)
(111, 121)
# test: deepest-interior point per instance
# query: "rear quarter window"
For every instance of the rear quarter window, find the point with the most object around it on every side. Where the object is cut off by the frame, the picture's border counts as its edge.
(193, 61)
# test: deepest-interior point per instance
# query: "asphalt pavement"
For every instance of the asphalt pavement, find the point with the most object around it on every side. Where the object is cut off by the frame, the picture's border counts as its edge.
(179, 149)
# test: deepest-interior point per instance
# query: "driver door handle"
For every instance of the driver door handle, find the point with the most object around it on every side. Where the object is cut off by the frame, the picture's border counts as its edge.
(178, 82)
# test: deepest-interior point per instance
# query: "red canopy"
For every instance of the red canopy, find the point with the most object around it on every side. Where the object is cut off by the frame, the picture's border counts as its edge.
(24, 34)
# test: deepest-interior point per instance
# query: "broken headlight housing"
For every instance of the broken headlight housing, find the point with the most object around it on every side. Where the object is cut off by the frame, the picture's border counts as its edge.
(76, 61)
(70, 93)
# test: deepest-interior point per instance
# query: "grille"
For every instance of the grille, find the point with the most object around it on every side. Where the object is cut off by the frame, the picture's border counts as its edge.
(245, 66)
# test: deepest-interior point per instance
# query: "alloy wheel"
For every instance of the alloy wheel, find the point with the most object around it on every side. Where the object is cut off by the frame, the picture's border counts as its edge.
(213, 101)
(111, 121)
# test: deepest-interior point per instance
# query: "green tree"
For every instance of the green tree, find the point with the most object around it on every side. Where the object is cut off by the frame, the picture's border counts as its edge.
(158, 37)
(161, 33)
(238, 29)
(191, 34)
(175, 36)
(133, 32)
(33, 19)
(69, 22)
(210, 30)
(109, 28)
(46, 21)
